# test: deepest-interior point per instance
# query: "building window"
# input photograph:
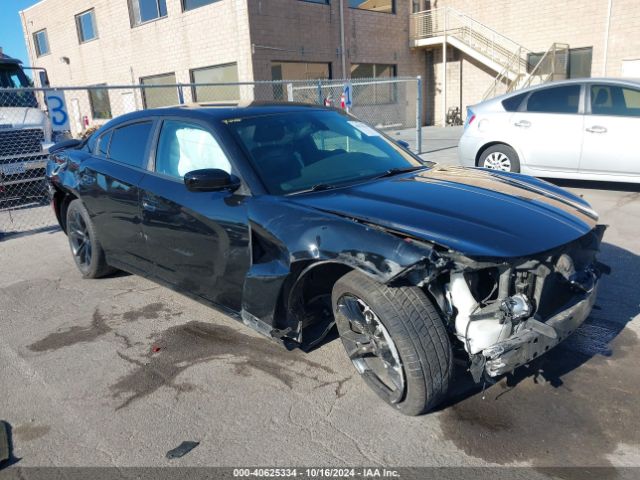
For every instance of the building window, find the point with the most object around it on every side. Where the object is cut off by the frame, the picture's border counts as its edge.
(578, 63)
(86, 26)
(374, 93)
(143, 11)
(41, 42)
(298, 71)
(100, 104)
(191, 4)
(384, 6)
(158, 96)
(216, 93)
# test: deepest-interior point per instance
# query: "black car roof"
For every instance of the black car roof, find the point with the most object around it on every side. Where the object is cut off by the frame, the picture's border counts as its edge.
(215, 112)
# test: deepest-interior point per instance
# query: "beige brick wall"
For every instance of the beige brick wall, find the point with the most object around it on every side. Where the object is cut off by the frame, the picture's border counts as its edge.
(210, 35)
(253, 33)
(289, 30)
(624, 35)
(537, 24)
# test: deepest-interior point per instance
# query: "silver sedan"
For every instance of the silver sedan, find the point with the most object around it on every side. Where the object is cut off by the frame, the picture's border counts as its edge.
(583, 129)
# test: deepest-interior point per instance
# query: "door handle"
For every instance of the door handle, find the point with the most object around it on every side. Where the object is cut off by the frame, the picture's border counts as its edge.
(597, 129)
(149, 206)
(523, 124)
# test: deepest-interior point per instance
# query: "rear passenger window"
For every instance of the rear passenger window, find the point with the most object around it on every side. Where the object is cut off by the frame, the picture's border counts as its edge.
(615, 101)
(565, 99)
(129, 144)
(103, 143)
(513, 104)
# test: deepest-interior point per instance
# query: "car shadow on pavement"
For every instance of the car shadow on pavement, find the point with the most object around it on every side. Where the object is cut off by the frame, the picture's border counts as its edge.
(577, 403)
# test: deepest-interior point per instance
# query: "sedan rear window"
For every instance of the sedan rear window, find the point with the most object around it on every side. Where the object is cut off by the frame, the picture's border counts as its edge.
(302, 150)
(565, 99)
(129, 144)
(512, 104)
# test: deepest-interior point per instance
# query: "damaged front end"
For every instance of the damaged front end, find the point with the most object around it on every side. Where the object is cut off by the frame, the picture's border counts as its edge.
(508, 312)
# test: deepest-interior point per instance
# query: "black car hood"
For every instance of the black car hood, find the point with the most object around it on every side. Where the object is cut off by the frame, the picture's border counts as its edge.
(474, 211)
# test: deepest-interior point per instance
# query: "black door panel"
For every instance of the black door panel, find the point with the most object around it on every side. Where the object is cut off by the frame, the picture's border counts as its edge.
(110, 193)
(199, 241)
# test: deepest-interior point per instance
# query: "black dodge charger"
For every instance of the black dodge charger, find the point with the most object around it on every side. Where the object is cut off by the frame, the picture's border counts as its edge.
(297, 219)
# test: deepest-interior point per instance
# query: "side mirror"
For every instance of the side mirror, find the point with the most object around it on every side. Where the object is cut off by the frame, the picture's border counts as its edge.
(403, 144)
(210, 180)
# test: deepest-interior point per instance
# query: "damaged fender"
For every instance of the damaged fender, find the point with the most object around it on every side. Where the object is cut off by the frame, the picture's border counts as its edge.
(289, 241)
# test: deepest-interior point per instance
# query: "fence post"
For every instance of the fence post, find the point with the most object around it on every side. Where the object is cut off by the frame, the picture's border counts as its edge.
(419, 114)
(320, 100)
(180, 95)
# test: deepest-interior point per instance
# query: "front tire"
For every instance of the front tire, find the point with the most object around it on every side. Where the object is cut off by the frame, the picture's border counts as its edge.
(396, 340)
(500, 157)
(85, 245)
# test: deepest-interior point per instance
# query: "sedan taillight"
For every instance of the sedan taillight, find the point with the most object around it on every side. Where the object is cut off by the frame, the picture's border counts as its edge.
(470, 118)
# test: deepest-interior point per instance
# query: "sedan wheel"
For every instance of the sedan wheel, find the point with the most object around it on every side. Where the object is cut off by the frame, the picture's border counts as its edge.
(84, 242)
(396, 339)
(79, 239)
(500, 157)
(370, 347)
(497, 161)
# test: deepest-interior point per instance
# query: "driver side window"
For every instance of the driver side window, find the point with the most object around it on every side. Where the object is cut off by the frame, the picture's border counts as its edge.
(184, 147)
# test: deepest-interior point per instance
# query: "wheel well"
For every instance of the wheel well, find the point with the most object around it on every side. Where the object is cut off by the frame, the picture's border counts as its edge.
(310, 300)
(61, 202)
(485, 147)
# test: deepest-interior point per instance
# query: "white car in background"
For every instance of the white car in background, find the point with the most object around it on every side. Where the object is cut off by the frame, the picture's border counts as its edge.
(583, 129)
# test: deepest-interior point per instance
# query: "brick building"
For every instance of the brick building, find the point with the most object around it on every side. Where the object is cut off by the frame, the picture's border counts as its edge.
(152, 42)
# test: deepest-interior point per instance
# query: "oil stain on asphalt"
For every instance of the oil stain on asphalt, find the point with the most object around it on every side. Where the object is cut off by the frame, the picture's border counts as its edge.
(99, 327)
(573, 406)
(73, 335)
(195, 342)
(149, 312)
(27, 432)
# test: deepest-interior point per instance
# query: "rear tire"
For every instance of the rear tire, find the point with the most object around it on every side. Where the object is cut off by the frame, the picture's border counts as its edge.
(500, 157)
(400, 328)
(84, 242)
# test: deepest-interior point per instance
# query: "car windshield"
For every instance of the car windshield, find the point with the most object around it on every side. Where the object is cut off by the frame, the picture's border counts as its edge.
(12, 76)
(316, 149)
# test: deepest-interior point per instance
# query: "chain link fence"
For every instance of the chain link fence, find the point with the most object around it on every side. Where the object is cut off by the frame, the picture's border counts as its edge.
(33, 119)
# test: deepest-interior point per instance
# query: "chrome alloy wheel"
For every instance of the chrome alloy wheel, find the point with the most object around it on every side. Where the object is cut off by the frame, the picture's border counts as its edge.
(497, 161)
(370, 347)
(80, 240)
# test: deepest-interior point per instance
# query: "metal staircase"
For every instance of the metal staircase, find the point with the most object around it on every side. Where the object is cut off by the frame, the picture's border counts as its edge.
(510, 60)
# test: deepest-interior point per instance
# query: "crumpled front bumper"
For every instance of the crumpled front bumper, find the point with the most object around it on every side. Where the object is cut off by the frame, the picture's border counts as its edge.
(535, 338)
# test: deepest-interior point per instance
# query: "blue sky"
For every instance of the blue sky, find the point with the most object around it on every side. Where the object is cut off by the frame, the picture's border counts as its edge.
(11, 36)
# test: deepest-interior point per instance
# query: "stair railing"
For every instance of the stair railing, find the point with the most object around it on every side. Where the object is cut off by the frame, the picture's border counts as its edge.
(449, 21)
